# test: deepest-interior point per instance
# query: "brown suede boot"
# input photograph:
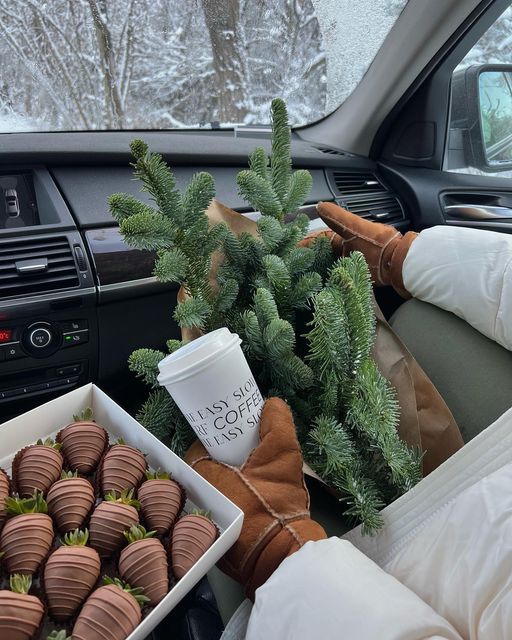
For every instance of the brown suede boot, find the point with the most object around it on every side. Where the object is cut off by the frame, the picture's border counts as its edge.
(383, 246)
(269, 488)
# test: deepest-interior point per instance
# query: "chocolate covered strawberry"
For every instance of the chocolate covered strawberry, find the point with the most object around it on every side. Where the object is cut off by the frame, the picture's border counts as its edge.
(123, 468)
(58, 635)
(112, 611)
(143, 563)
(27, 536)
(37, 467)
(70, 500)
(20, 613)
(70, 574)
(161, 499)
(83, 443)
(192, 536)
(111, 518)
(4, 493)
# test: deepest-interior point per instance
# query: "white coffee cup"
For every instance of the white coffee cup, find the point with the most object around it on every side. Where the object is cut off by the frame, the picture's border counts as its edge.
(212, 384)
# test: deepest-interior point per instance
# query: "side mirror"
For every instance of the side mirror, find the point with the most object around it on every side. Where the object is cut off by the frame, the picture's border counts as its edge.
(481, 120)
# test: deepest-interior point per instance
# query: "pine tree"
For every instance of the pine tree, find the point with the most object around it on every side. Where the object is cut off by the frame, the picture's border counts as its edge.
(266, 288)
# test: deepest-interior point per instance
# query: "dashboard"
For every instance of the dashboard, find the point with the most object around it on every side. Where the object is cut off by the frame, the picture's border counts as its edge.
(75, 300)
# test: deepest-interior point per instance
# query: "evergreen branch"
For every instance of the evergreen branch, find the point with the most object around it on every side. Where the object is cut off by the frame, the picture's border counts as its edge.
(280, 161)
(227, 295)
(351, 277)
(323, 256)
(332, 454)
(144, 363)
(329, 342)
(374, 415)
(157, 180)
(278, 338)
(300, 186)
(159, 413)
(215, 237)
(198, 195)
(173, 345)
(276, 272)
(124, 206)
(253, 335)
(258, 162)
(171, 266)
(299, 260)
(305, 289)
(192, 312)
(265, 307)
(259, 194)
(271, 232)
(149, 231)
(182, 437)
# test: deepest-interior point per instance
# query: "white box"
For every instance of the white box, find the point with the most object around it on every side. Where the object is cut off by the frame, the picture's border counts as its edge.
(46, 420)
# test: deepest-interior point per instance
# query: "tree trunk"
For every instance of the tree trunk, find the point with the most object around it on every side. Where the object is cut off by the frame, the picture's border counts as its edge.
(115, 112)
(222, 20)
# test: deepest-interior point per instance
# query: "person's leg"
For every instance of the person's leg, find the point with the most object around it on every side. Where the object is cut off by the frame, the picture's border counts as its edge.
(465, 271)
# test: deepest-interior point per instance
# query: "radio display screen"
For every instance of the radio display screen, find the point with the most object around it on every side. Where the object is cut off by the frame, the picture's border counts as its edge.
(5, 335)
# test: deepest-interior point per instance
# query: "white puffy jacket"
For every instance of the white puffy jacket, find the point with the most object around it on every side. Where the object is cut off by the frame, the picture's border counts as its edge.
(440, 569)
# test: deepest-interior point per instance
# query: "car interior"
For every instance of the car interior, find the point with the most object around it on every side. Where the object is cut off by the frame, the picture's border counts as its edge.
(402, 149)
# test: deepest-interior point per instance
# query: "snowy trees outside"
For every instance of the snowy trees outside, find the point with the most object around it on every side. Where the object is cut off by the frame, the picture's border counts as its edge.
(103, 64)
(147, 64)
(495, 46)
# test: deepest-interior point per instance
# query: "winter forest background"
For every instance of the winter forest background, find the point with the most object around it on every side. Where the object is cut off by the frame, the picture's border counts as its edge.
(109, 64)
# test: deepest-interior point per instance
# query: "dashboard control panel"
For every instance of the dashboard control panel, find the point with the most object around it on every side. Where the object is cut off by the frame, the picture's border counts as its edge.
(41, 339)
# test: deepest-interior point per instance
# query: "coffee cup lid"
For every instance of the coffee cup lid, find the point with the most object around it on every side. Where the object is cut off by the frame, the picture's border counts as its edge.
(195, 355)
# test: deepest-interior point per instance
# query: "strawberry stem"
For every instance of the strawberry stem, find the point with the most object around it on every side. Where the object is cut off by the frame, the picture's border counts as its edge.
(137, 532)
(76, 538)
(125, 497)
(158, 475)
(124, 586)
(201, 512)
(20, 583)
(65, 475)
(85, 416)
(16, 506)
(58, 635)
(49, 442)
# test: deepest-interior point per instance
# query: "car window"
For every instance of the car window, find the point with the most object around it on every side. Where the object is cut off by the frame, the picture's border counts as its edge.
(480, 134)
(165, 64)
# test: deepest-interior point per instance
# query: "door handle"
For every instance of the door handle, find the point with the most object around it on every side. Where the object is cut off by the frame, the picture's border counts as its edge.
(478, 212)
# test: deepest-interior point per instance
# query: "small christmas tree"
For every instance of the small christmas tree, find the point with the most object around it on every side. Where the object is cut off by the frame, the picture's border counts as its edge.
(306, 320)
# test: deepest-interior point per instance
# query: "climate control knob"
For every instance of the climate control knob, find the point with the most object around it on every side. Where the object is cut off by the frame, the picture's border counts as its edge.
(40, 337)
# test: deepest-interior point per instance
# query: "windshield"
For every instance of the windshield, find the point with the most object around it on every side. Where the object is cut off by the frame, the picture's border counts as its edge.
(167, 64)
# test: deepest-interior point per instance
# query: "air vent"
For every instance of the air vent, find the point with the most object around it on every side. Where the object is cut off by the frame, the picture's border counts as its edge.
(332, 152)
(36, 265)
(362, 193)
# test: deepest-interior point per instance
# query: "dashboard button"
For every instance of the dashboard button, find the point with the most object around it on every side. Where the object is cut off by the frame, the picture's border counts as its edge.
(39, 387)
(74, 325)
(69, 370)
(40, 338)
(75, 338)
(13, 351)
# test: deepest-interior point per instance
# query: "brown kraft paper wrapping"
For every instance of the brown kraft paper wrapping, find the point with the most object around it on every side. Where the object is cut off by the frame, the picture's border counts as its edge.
(425, 419)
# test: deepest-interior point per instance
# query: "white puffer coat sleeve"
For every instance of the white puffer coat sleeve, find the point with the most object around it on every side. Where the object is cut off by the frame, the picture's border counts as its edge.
(467, 272)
